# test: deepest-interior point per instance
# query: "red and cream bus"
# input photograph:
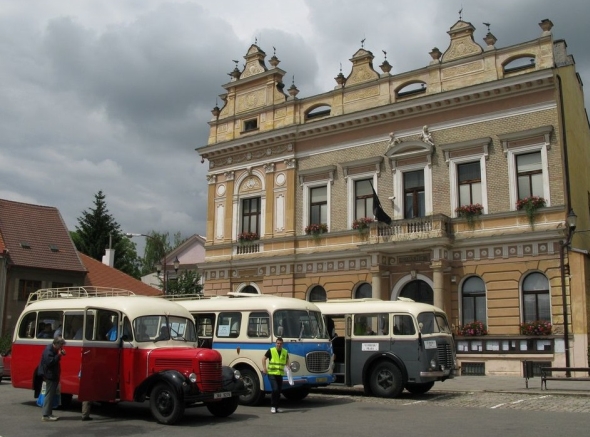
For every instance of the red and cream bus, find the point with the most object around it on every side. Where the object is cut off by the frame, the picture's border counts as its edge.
(123, 347)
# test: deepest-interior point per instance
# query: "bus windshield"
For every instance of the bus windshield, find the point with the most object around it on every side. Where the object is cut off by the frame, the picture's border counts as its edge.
(431, 323)
(299, 324)
(158, 328)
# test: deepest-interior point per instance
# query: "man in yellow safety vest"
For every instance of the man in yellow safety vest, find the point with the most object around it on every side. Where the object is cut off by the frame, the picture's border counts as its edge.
(277, 359)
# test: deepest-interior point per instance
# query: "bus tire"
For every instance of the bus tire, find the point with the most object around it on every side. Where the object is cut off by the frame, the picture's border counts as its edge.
(165, 404)
(225, 407)
(419, 388)
(254, 396)
(66, 400)
(386, 380)
(296, 394)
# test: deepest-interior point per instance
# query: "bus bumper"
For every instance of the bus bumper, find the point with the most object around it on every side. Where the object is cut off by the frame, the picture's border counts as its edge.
(311, 380)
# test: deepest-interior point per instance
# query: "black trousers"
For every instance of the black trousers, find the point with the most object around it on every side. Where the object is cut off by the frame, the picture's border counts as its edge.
(276, 383)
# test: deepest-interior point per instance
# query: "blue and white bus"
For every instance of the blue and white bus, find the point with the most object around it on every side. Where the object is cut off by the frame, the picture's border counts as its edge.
(242, 327)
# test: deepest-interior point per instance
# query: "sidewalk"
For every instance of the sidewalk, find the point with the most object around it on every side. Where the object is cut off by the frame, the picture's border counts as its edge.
(513, 384)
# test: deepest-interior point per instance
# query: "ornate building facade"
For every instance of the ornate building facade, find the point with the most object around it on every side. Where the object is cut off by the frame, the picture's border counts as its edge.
(477, 158)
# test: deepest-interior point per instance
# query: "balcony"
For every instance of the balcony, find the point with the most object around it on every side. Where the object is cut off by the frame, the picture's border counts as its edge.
(420, 228)
(244, 249)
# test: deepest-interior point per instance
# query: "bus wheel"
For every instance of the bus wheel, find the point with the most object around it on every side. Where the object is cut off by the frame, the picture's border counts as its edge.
(386, 380)
(296, 394)
(419, 388)
(66, 400)
(224, 408)
(252, 384)
(165, 404)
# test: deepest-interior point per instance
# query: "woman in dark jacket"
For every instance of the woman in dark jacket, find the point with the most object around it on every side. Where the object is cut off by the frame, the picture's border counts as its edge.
(50, 370)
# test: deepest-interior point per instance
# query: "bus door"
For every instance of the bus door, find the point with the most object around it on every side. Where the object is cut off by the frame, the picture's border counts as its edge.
(99, 370)
(404, 342)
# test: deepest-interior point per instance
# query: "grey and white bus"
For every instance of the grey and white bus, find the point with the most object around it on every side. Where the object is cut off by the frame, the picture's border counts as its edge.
(389, 345)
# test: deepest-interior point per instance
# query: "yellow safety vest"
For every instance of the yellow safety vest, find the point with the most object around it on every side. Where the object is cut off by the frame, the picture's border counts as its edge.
(276, 364)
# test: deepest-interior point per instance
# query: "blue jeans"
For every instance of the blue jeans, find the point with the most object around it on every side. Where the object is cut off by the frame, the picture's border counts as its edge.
(276, 383)
(50, 388)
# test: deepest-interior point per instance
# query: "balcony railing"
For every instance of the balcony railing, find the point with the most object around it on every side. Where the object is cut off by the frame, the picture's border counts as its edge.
(242, 249)
(410, 229)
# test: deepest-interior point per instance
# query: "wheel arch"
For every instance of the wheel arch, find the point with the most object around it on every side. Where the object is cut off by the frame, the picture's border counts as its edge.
(172, 377)
(245, 363)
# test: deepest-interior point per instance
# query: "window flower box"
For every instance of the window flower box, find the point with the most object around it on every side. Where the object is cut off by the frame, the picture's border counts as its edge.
(473, 329)
(247, 238)
(316, 229)
(362, 225)
(530, 205)
(538, 327)
(469, 213)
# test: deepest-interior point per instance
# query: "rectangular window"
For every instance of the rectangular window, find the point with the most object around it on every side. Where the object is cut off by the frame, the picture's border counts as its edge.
(363, 195)
(228, 325)
(529, 172)
(414, 195)
(251, 215)
(318, 206)
(403, 325)
(258, 324)
(26, 287)
(250, 125)
(469, 181)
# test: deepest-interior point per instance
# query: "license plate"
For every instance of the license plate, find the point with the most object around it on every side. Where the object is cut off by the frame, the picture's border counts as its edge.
(323, 379)
(430, 344)
(221, 395)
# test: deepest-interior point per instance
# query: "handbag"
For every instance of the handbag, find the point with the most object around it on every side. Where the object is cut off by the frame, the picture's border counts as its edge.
(56, 398)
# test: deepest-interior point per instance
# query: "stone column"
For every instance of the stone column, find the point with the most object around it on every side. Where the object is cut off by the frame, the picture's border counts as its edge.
(438, 279)
(376, 284)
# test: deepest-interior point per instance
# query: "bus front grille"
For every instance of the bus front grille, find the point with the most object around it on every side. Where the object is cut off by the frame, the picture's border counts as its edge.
(318, 362)
(445, 356)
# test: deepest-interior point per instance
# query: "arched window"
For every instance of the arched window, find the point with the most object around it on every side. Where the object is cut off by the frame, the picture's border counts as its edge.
(363, 291)
(474, 300)
(536, 302)
(418, 291)
(249, 289)
(317, 294)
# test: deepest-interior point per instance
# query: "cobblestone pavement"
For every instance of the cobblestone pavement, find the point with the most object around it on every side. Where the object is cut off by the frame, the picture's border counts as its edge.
(473, 399)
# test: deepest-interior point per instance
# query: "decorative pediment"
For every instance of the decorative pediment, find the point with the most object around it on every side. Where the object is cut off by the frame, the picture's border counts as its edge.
(362, 68)
(362, 165)
(474, 147)
(410, 152)
(317, 174)
(462, 42)
(254, 62)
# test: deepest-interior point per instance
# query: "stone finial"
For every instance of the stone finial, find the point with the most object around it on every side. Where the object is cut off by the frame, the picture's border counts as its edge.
(546, 25)
(216, 111)
(435, 54)
(274, 61)
(490, 40)
(235, 74)
(293, 91)
(340, 79)
(385, 67)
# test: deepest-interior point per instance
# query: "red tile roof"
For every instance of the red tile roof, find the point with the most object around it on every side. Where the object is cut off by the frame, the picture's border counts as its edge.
(36, 236)
(101, 275)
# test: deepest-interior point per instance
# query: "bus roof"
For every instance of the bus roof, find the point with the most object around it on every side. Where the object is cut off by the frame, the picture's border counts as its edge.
(132, 305)
(365, 306)
(253, 302)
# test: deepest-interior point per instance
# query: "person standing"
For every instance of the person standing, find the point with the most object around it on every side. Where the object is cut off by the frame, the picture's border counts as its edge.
(50, 370)
(277, 360)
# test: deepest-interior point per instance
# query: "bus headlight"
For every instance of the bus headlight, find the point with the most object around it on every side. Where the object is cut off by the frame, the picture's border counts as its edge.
(433, 363)
(192, 378)
(295, 366)
(237, 374)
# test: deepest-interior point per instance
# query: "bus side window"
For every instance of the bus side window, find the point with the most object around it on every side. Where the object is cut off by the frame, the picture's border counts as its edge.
(403, 325)
(258, 324)
(27, 326)
(229, 325)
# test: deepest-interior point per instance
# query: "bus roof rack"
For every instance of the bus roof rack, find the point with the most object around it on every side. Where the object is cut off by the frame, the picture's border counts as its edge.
(187, 296)
(76, 292)
(345, 300)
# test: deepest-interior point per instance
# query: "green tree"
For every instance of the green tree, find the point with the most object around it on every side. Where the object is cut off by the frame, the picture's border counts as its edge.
(187, 282)
(156, 248)
(97, 230)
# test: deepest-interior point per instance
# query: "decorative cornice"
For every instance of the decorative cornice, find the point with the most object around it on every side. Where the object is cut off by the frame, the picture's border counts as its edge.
(484, 143)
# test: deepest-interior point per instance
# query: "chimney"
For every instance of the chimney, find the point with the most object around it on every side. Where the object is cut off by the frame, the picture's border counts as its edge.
(109, 254)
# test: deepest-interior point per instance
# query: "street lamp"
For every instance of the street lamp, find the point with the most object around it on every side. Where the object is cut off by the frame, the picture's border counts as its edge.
(563, 245)
(159, 266)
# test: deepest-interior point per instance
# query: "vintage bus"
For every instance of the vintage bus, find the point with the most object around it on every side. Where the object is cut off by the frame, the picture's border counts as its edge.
(390, 345)
(242, 327)
(123, 347)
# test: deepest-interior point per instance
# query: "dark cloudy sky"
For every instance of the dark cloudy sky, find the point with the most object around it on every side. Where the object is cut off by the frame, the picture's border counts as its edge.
(115, 95)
